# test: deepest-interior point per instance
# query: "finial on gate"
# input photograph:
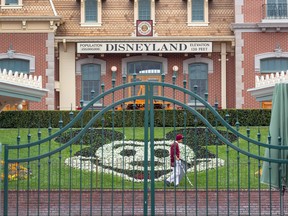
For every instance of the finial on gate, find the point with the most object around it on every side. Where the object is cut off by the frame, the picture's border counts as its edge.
(124, 78)
(163, 77)
(103, 87)
(184, 80)
(206, 96)
(92, 94)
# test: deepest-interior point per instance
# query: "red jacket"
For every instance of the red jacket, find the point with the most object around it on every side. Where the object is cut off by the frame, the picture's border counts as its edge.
(174, 147)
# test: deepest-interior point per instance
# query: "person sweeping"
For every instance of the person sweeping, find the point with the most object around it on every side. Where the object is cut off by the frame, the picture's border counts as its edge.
(175, 161)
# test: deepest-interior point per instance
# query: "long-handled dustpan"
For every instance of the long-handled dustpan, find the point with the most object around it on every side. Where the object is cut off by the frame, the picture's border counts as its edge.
(183, 166)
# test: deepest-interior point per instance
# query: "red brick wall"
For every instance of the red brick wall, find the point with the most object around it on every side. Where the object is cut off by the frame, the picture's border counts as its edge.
(257, 43)
(31, 44)
(167, 202)
(214, 79)
(253, 10)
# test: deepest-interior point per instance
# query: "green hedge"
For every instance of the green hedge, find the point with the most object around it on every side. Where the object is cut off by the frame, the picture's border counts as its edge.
(44, 119)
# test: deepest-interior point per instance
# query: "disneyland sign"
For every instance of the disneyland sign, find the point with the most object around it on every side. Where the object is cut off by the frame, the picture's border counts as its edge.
(145, 47)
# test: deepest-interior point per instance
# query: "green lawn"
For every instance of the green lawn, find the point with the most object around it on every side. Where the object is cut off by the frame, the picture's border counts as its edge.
(51, 172)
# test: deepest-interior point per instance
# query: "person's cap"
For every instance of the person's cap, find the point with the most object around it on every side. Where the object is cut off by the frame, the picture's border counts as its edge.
(179, 137)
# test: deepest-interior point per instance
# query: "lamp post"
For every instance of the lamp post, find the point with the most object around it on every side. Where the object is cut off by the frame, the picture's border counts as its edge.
(175, 70)
(113, 69)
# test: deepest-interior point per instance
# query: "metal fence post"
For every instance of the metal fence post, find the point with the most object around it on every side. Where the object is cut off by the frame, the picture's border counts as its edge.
(0, 177)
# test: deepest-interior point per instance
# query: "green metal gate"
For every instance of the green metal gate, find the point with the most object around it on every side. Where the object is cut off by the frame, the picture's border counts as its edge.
(114, 161)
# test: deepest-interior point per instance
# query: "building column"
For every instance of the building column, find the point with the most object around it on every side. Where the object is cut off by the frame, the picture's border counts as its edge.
(223, 76)
(50, 72)
(239, 71)
(67, 78)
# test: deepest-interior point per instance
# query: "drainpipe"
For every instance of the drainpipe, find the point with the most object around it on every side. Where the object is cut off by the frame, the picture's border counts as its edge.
(223, 76)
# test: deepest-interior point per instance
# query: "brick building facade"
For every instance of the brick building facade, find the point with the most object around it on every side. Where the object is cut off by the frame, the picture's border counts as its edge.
(260, 30)
(143, 37)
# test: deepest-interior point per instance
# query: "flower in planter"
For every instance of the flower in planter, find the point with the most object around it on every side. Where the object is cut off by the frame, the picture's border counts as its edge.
(16, 171)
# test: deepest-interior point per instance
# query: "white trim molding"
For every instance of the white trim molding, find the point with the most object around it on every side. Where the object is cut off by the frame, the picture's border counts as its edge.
(99, 13)
(276, 54)
(189, 14)
(90, 60)
(197, 59)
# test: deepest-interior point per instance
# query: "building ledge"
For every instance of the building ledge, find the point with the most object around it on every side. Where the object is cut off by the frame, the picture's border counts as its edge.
(18, 87)
(264, 85)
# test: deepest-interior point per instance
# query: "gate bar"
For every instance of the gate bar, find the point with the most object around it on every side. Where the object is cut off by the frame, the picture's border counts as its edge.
(146, 138)
(152, 168)
(6, 179)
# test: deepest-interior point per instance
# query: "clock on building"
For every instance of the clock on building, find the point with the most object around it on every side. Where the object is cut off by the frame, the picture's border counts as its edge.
(144, 28)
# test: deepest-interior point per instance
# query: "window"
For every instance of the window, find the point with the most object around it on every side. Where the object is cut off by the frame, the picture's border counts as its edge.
(269, 65)
(9, 4)
(18, 65)
(197, 12)
(91, 75)
(144, 68)
(198, 75)
(91, 13)
(277, 9)
(146, 71)
(144, 10)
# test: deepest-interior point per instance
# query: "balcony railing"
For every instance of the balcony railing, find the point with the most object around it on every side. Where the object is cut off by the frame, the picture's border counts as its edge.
(275, 11)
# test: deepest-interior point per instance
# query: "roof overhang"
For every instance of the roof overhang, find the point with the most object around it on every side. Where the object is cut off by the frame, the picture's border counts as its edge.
(10, 90)
(141, 39)
(262, 93)
(15, 94)
(265, 85)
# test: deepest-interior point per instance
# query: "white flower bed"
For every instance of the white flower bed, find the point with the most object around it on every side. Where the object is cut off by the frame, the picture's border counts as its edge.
(109, 155)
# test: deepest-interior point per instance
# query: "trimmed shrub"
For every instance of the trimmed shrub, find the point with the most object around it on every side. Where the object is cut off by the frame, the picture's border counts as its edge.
(167, 118)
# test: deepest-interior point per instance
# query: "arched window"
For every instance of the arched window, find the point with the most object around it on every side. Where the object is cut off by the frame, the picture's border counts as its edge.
(91, 77)
(198, 75)
(144, 67)
(270, 65)
(20, 65)
(146, 70)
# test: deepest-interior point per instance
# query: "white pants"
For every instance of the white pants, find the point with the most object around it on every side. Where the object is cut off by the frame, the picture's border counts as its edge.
(175, 174)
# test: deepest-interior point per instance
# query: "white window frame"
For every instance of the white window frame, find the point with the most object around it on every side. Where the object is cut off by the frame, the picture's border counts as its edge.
(136, 14)
(189, 14)
(197, 59)
(99, 18)
(258, 58)
(91, 60)
(22, 56)
(16, 6)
